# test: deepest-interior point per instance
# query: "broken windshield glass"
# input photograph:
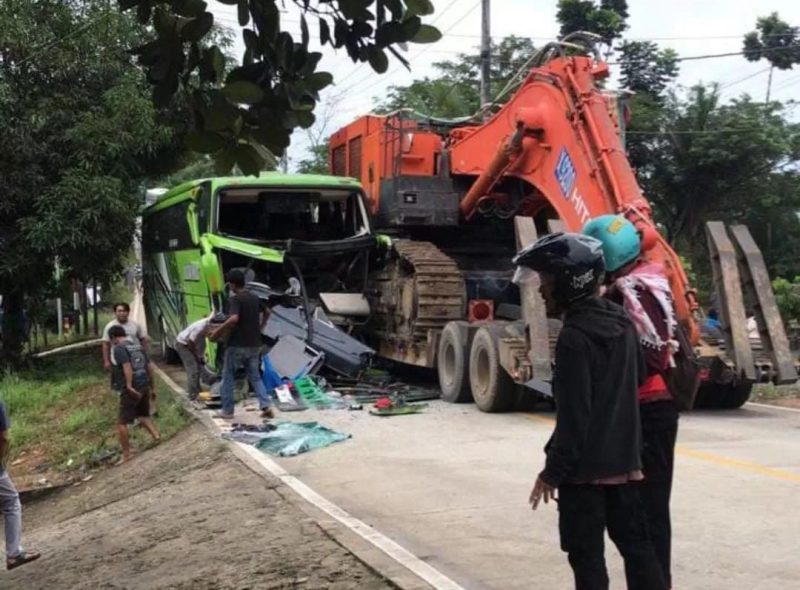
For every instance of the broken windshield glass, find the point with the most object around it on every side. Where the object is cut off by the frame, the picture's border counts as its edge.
(277, 215)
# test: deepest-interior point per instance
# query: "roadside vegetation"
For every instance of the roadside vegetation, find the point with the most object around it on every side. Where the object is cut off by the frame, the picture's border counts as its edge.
(63, 417)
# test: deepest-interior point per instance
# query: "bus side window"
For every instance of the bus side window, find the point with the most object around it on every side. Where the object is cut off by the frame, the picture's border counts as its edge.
(204, 208)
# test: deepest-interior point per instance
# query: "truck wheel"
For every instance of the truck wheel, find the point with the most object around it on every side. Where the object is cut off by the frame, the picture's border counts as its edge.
(168, 353)
(452, 363)
(492, 388)
(728, 396)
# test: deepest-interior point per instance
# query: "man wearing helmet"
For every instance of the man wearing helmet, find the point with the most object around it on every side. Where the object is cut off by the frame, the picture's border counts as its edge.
(594, 454)
(643, 290)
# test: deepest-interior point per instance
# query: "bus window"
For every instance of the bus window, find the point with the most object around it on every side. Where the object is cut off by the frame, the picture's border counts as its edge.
(204, 208)
(279, 215)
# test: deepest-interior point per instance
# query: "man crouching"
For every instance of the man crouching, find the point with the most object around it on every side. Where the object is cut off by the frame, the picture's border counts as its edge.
(595, 451)
(132, 379)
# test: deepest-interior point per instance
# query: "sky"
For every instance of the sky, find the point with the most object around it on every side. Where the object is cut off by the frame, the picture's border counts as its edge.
(690, 27)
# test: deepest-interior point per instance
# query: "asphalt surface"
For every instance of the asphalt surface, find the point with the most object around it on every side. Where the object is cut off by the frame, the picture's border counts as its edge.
(451, 486)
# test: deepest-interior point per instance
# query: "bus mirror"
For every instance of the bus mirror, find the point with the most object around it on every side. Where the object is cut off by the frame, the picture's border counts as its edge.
(191, 220)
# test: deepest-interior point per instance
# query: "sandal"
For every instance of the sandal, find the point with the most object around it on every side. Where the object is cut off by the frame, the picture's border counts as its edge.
(21, 559)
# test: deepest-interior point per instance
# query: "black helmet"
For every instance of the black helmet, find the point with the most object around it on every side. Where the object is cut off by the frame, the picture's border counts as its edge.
(574, 260)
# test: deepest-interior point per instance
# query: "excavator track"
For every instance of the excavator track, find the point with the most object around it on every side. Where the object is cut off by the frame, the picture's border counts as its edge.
(421, 290)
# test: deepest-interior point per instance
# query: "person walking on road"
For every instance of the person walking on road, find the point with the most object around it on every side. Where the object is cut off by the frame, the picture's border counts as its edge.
(10, 505)
(132, 378)
(643, 290)
(190, 344)
(243, 347)
(594, 454)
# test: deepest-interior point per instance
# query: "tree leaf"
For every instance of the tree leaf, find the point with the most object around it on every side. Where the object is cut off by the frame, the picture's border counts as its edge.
(324, 32)
(377, 59)
(318, 80)
(427, 34)
(190, 8)
(420, 7)
(410, 26)
(243, 13)
(243, 92)
(204, 142)
(224, 161)
(303, 30)
(197, 28)
(248, 159)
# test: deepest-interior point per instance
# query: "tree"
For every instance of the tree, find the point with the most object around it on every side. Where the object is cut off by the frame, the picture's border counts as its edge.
(239, 117)
(454, 92)
(773, 40)
(647, 69)
(733, 162)
(79, 136)
(317, 160)
(606, 19)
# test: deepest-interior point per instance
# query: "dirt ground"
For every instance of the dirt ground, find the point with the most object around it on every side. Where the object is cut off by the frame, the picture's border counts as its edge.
(185, 515)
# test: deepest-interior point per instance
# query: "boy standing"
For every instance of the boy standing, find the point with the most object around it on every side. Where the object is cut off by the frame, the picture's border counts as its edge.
(595, 451)
(132, 378)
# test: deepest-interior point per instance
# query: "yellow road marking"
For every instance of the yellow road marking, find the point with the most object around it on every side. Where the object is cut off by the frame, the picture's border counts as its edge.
(712, 458)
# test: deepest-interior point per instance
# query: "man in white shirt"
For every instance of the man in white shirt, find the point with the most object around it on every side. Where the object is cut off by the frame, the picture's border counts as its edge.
(190, 345)
(133, 331)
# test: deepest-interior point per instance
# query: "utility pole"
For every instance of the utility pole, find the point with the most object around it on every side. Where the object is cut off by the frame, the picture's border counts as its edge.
(486, 48)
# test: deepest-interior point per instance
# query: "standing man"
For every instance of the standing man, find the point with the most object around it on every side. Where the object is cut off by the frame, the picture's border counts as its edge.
(642, 288)
(190, 345)
(10, 504)
(135, 334)
(595, 451)
(244, 345)
(132, 378)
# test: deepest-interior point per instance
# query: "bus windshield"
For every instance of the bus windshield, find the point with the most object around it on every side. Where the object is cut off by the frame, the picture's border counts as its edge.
(276, 215)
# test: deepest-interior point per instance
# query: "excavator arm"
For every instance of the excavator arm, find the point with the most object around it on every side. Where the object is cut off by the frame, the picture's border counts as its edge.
(557, 135)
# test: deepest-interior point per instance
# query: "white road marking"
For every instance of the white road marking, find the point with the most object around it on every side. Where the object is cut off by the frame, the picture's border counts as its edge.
(400, 554)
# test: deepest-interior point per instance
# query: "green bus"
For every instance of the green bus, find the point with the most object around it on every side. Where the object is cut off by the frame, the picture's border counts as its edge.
(275, 227)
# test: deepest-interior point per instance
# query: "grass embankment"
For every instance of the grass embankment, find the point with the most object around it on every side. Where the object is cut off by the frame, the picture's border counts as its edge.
(38, 343)
(63, 415)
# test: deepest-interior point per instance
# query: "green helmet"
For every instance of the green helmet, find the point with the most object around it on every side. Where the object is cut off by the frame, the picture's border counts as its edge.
(621, 243)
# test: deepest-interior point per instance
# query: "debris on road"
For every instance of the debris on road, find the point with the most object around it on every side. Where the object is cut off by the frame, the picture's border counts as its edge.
(395, 406)
(286, 439)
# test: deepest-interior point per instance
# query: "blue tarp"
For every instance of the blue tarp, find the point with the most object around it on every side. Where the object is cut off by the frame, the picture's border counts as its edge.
(291, 438)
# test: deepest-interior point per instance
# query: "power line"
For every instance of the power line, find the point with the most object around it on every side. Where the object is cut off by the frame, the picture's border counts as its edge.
(712, 55)
(758, 73)
(696, 131)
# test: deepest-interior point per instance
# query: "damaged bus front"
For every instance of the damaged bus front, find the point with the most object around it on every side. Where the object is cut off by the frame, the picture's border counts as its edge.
(304, 235)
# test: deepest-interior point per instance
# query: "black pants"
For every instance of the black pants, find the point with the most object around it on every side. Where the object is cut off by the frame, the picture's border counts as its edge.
(585, 512)
(659, 431)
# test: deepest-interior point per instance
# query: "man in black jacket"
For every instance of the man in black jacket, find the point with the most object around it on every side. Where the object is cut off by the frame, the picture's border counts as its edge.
(595, 451)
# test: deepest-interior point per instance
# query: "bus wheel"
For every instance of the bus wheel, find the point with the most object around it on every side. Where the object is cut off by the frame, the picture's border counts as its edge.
(452, 363)
(168, 353)
(492, 388)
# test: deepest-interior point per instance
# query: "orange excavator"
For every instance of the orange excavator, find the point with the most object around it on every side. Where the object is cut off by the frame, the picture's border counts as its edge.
(459, 197)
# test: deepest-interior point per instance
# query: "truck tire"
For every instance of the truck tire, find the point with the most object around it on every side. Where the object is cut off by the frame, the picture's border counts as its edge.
(169, 354)
(452, 362)
(492, 388)
(728, 396)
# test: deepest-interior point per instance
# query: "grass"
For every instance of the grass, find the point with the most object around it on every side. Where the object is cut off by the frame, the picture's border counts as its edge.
(63, 410)
(766, 392)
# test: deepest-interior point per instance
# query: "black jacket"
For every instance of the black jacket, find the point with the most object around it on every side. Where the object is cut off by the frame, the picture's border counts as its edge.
(599, 366)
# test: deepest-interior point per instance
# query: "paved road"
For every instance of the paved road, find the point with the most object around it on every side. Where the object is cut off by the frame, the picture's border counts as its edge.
(451, 485)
